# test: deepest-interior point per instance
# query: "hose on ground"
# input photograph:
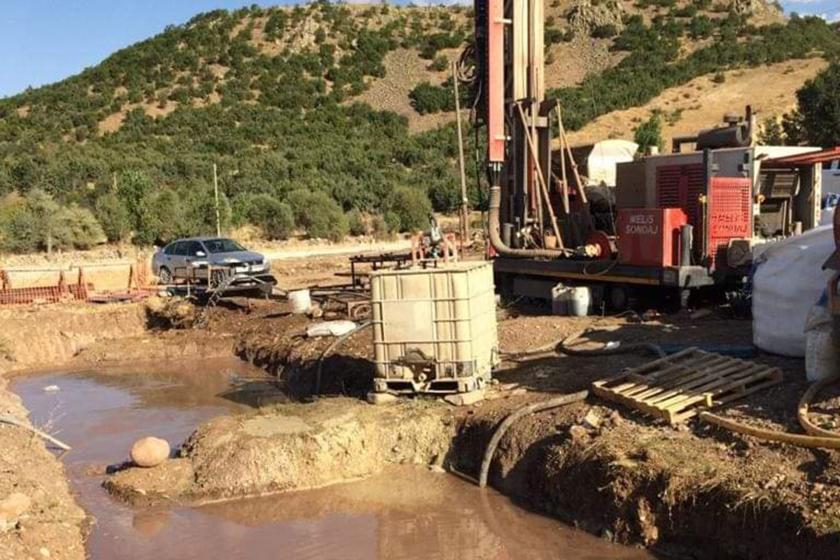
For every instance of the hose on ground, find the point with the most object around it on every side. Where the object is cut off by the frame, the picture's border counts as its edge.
(772, 435)
(331, 348)
(513, 417)
(6, 419)
(804, 403)
(817, 437)
(564, 347)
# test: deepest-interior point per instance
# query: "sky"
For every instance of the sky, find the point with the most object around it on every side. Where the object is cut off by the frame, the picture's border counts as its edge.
(44, 41)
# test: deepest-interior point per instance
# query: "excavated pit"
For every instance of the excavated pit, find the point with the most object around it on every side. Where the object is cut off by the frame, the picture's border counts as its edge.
(251, 441)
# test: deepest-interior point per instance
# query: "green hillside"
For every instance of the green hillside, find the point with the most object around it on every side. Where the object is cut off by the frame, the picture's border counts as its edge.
(268, 96)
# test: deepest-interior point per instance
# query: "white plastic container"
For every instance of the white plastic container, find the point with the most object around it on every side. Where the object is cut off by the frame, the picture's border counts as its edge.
(301, 302)
(560, 300)
(579, 299)
(434, 330)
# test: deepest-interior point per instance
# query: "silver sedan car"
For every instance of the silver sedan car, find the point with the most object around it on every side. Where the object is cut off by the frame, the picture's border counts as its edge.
(210, 260)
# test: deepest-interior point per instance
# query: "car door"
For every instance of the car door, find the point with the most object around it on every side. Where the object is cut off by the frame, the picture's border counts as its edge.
(193, 252)
(178, 260)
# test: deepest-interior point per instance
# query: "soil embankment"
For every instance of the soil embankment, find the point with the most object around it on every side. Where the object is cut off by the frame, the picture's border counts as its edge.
(49, 523)
(612, 471)
(598, 466)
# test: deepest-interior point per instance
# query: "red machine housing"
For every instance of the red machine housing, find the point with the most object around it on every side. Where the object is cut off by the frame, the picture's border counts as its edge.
(729, 216)
(650, 236)
(719, 208)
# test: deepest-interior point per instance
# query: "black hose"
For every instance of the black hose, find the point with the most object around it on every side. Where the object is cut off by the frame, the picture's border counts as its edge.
(564, 348)
(513, 417)
(494, 222)
(331, 348)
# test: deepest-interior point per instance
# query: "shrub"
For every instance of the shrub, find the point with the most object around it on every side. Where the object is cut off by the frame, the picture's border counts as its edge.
(356, 222)
(380, 227)
(18, 227)
(38, 222)
(413, 208)
(113, 216)
(74, 227)
(439, 64)
(319, 214)
(275, 218)
(605, 31)
(552, 35)
(161, 218)
(649, 134)
(427, 98)
(392, 222)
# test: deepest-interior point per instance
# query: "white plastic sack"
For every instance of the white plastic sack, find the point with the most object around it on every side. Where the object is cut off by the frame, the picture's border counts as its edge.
(330, 328)
(822, 343)
(788, 281)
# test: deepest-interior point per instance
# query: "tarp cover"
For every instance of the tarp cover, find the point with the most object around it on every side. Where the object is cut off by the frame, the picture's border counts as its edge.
(788, 281)
(605, 155)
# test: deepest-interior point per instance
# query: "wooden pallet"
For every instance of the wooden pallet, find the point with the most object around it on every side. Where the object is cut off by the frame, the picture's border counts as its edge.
(681, 385)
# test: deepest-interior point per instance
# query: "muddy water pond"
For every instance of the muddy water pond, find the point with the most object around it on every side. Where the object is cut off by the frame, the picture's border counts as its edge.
(403, 513)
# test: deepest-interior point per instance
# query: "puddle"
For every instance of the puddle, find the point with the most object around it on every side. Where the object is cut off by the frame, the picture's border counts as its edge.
(404, 513)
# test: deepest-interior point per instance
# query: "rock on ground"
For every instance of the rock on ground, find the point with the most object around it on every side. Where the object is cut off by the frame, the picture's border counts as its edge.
(149, 452)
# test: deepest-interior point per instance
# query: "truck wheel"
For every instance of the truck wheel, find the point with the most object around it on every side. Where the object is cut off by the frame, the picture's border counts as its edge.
(165, 276)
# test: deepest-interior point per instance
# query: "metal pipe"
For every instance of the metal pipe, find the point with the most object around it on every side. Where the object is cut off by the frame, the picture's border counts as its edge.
(496, 240)
(686, 241)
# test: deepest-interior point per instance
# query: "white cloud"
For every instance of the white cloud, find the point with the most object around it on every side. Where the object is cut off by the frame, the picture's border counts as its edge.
(803, 1)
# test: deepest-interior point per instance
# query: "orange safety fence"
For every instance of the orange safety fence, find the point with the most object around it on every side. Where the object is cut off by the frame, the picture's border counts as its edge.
(90, 282)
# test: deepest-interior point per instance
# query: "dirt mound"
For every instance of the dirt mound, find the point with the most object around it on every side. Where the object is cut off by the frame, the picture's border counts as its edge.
(170, 313)
(293, 447)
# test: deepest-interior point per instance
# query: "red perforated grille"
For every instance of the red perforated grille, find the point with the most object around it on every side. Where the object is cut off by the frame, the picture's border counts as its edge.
(730, 214)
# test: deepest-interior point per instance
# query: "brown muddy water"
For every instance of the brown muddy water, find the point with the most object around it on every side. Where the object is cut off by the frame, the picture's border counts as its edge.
(403, 513)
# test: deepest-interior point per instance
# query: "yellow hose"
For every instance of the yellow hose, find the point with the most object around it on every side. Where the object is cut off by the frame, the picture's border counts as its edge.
(817, 437)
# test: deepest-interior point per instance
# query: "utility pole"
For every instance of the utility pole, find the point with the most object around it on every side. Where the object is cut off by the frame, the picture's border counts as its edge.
(216, 195)
(465, 202)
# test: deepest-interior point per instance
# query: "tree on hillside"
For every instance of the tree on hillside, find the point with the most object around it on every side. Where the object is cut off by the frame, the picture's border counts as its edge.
(413, 208)
(318, 214)
(113, 216)
(275, 218)
(819, 107)
(649, 134)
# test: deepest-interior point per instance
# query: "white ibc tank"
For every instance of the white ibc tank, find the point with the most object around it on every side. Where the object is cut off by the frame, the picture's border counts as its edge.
(788, 281)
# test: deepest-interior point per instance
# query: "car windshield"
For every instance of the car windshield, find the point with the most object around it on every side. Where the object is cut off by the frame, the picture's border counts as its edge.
(223, 246)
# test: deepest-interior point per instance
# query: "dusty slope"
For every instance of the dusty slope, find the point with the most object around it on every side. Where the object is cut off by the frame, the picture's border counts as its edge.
(701, 103)
(404, 70)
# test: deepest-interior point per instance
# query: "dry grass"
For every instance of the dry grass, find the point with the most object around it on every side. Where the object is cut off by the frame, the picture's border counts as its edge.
(701, 103)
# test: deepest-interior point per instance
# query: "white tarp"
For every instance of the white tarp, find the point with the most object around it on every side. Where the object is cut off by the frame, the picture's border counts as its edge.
(788, 281)
(604, 157)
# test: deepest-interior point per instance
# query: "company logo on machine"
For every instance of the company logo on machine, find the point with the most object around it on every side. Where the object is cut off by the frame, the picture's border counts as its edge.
(729, 224)
(641, 224)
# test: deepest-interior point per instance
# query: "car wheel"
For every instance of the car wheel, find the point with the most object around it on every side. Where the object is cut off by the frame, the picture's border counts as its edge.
(165, 276)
